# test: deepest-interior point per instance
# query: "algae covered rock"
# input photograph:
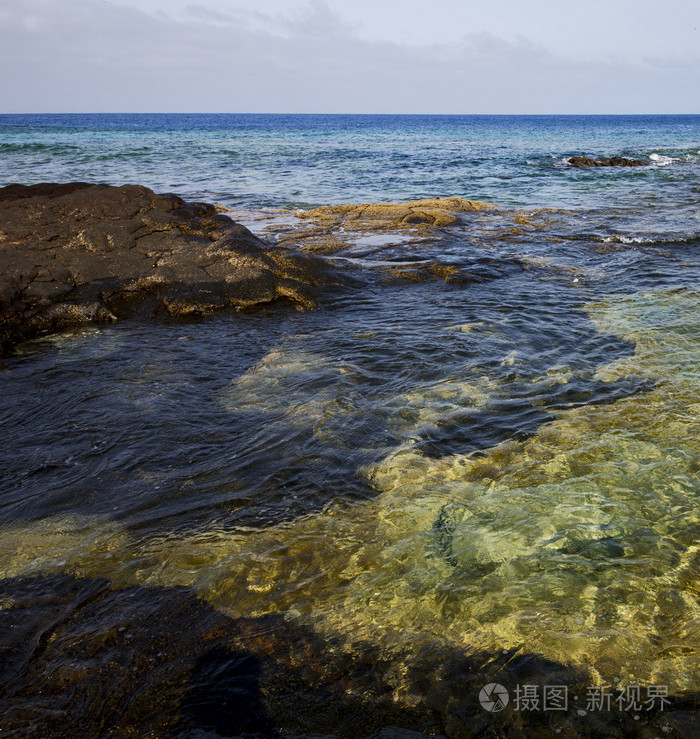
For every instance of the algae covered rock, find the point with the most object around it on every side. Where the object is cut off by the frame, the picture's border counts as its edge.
(330, 229)
(432, 212)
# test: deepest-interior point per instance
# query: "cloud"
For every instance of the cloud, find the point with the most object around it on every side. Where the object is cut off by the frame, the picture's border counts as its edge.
(207, 14)
(320, 21)
(82, 55)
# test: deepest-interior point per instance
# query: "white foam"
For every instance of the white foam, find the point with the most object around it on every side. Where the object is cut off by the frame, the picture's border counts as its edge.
(629, 240)
(662, 161)
(670, 238)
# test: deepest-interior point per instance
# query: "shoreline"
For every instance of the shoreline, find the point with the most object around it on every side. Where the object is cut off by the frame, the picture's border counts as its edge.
(378, 508)
(79, 254)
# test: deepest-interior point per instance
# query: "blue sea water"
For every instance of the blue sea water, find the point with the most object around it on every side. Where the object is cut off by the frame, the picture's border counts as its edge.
(295, 160)
(508, 464)
(291, 161)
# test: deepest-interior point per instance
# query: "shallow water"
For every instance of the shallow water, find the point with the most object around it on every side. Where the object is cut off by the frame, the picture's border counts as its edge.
(507, 465)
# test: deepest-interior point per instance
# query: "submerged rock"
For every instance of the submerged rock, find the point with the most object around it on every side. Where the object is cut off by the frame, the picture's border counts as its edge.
(79, 658)
(469, 271)
(615, 161)
(78, 253)
(428, 212)
(332, 228)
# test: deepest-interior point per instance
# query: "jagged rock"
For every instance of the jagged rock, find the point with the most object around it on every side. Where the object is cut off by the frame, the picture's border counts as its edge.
(79, 253)
(616, 161)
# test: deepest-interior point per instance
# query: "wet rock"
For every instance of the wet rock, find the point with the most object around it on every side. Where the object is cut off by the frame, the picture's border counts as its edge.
(436, 212)
(331, 229)
(78, 253)
(469, 271)
(615, 161)
(78, 659)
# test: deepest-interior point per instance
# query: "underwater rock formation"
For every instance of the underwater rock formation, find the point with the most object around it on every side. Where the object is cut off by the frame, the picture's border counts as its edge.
(78, 253)
(80, 658)
(428, 212)
(332, 228)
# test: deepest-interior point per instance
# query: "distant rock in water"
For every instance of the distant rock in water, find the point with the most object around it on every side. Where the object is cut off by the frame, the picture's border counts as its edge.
(612, 162)
(78, 253)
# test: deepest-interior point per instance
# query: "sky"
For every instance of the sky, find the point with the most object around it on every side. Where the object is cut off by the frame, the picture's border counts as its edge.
(350, 56)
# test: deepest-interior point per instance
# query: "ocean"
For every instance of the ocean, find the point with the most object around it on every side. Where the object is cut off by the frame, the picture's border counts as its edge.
(424, 478)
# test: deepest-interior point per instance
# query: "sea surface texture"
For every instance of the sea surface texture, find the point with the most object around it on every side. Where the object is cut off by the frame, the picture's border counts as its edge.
(427, 478)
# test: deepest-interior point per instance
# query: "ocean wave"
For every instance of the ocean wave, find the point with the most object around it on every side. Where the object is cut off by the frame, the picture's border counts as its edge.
(663, 161)
(125, 154)
(664, 158)
(9, 148)
(678, 238)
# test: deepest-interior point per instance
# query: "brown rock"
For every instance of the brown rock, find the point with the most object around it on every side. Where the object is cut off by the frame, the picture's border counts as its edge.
(615, 161)
(79, 253)
(436, 212)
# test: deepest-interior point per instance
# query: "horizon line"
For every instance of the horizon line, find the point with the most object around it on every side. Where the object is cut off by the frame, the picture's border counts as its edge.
(342, 114)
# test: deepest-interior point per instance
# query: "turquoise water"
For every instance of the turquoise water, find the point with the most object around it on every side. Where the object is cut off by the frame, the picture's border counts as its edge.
(288, 160)
(506, 464)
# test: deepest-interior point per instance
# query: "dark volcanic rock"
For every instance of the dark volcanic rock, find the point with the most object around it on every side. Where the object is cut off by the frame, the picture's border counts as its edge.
(79, 253)
(612, 162)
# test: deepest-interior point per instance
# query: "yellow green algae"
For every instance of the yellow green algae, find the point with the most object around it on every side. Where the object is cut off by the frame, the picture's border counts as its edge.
(430, 212)
(69, 542)
(334, 227)
(580, 544)
(374, 227)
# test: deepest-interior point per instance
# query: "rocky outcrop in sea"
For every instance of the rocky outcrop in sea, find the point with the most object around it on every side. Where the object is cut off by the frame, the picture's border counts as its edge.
(615, 161)
(78, 253)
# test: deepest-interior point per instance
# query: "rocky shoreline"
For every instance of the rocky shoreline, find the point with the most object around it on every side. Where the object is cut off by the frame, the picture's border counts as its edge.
(78, 254)
(81, 253)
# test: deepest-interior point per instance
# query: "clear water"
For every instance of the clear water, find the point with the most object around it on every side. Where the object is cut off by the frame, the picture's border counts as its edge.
(508, 465)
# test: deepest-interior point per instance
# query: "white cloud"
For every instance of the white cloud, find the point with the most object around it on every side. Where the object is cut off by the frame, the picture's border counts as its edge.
(319, 20)
(97, 56)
